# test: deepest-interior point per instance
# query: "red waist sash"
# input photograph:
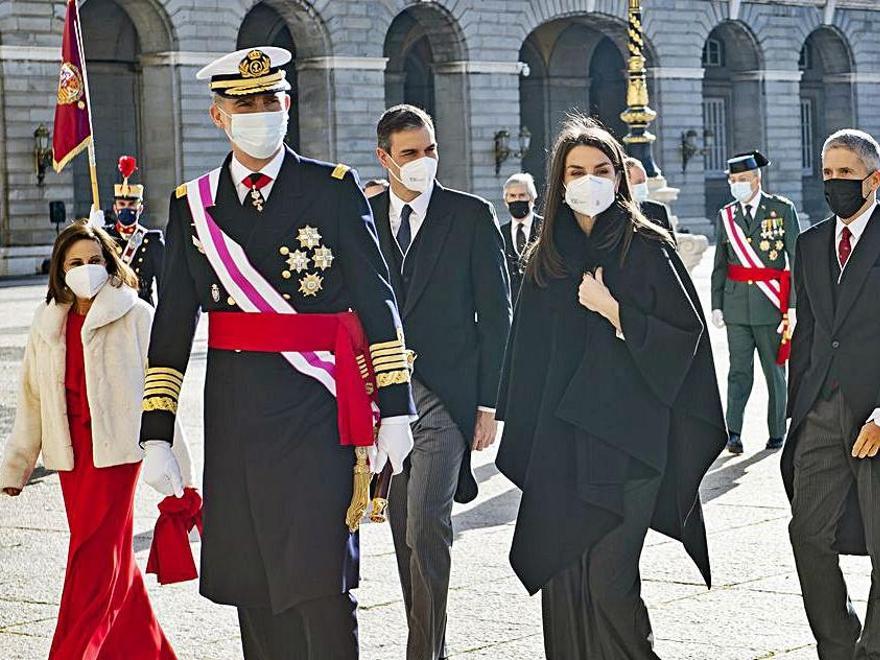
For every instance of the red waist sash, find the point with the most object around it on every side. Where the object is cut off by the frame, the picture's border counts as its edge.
(743, 274)
(341, 334)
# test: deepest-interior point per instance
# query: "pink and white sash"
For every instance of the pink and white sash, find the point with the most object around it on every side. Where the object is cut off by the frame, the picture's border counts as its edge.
(134, 242)
(748, 257)
(250, 290)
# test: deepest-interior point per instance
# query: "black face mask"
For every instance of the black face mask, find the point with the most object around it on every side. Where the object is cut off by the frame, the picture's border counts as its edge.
(844, 196)
(127, 216)
(518, 210)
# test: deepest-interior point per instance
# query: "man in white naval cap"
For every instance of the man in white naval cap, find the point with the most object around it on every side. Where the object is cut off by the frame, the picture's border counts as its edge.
(305, 355)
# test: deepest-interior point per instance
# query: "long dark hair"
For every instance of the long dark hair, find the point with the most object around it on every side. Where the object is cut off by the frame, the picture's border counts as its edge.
(78, 230)
(544, 260)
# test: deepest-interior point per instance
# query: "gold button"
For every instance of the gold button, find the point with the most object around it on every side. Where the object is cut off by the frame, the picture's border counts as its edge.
(749, 240)
(285, 274)
(284, 251)
(750, 282)
(286, 296)
(230, 300)
(146, 240)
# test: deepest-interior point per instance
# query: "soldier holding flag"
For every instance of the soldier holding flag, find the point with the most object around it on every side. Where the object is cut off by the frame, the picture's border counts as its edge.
(305, 344)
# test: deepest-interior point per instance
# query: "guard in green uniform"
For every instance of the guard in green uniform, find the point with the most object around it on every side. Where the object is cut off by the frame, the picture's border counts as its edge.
(751, 292)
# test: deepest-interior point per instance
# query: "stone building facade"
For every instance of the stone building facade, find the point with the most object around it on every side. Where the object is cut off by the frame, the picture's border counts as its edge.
(730, 74)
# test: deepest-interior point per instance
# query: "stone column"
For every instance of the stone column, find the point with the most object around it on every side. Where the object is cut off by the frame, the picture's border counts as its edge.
(782, 119)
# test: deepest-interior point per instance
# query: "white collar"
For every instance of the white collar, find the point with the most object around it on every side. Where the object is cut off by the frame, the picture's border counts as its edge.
(857, 226)
(111, 303)
(270, 169)
(754, 202)
(419, 205)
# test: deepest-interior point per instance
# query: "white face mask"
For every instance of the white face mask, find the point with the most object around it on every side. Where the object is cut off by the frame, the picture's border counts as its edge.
(416, 175)
(741, 191)
(590, 195)
(640, 192)
(85, 281)
(258, 134)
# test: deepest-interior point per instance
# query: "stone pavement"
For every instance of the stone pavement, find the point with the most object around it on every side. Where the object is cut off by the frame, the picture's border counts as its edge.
(753, 610)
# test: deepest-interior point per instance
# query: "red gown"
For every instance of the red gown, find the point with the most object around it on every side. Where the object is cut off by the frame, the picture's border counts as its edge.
(105, 612)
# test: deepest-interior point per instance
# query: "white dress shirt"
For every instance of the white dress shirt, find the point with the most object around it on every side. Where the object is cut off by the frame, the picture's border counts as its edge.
(271, 169)
(419, 208)
(526, 223)
(751, 206)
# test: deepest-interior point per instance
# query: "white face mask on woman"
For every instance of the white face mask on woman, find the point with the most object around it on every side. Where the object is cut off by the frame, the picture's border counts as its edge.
(85, 281)
(590, 195)
(258, 134)
(416, 175)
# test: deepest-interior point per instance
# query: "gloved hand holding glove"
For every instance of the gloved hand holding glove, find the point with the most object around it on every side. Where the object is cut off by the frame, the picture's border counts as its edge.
(161, 470)
(394, 443)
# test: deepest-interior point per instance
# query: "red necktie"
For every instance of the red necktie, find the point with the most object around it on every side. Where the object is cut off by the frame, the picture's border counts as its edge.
(844, 248)
(256, 182)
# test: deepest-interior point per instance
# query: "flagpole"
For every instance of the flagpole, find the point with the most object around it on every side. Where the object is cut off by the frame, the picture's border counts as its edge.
(93, 168)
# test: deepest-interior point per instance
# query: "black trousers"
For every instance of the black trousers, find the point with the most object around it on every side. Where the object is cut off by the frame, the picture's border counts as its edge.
(320, 629)
(594, 609)
(824, 474)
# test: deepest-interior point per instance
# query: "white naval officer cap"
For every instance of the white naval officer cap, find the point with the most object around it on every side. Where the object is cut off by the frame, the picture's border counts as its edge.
(248, 71)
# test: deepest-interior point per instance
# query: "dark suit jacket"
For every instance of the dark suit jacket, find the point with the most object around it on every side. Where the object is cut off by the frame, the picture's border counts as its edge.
(835, 342)
(515, 264)
(456, 306)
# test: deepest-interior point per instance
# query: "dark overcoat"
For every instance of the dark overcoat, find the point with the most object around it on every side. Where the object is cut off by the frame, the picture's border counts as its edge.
(585, 411)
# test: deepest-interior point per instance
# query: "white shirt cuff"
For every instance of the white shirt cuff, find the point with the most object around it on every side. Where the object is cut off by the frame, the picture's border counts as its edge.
(486, 409)
(875, 416)
(399, 419)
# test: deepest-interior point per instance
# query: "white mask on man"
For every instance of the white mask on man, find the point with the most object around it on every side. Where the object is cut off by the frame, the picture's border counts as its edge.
(590, 195)
(258, 134)
(87, 280)
(741, 191)
(416, 175)
(640, 192)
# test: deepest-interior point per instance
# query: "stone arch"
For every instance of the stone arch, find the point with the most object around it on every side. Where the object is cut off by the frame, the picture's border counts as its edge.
(132, 99)
(426, 65)
(733, 104)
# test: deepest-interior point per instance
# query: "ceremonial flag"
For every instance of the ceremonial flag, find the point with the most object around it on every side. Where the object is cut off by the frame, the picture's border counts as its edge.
(73, 116)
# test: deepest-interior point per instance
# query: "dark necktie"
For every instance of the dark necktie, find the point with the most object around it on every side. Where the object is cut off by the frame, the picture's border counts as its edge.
(747, 212)
(404, 232)
(520, 238)
(256, 182)
(844, 248)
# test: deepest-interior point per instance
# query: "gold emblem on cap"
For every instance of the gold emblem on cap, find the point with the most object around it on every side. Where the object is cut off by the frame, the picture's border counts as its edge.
(310, 284)
(308, 237)
(255, 64)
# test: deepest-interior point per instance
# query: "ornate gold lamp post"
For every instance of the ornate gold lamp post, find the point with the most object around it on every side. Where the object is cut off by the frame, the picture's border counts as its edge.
(638, 114)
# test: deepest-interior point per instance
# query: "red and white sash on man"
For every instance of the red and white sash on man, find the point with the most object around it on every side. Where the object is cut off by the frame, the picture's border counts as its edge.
(748, 258)
(250, 290)
(132, 245)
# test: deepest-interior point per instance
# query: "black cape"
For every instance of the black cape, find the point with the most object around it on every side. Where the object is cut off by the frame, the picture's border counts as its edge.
(585, 411)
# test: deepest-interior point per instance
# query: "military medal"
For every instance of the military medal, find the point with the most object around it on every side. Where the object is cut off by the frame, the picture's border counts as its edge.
(215, 293)
(298, 261)
(308, 237)
(323, 257)
(764, 245)
(310, 284)
(257, 199)
(779, 245)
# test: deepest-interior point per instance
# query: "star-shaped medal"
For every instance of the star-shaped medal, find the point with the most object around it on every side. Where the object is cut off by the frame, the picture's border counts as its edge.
(323, 257)
(310, 284)
(779, 245)
(773, 254)
(764, 245)
(308, 237)
(298, 261)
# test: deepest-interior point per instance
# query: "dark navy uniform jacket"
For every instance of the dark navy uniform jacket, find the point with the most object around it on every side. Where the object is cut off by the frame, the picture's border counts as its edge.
(276, 481)
(147, 260)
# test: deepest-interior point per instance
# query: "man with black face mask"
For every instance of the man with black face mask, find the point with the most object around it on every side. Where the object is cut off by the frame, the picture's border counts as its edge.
(141, 248)
(522, 229)
(829, 464)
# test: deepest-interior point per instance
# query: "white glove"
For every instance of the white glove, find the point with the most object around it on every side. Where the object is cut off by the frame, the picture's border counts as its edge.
(394, 443)
(161, 470)
(792, 320)
(96, 218)
(717, 318)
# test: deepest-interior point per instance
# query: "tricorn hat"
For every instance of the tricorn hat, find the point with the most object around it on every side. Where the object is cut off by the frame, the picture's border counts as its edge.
(248, 71)
(751, 160)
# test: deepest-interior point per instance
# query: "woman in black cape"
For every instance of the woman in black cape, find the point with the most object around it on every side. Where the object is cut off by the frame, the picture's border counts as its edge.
(610, 403)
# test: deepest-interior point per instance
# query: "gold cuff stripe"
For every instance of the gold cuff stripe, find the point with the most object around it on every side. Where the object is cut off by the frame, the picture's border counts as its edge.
(151, 391)
(392, 378)
(397, 343)
(248, 82)
(382, 352)
(163, 381)
(391, 359)
(165, 371)
(160, 403)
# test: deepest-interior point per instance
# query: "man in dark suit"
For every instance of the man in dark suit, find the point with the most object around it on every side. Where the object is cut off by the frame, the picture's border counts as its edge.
(448, 270)
(829, 467)
(523, 228)
(638, 181)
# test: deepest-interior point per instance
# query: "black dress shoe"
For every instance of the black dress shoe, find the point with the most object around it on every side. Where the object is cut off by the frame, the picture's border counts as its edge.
(734, 444)
(774, 443)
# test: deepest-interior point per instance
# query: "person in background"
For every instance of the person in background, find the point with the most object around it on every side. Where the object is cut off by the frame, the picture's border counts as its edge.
(751, 292)
(829, 465)
(653, 211)
(522, 229)
(374, 187)
(79, 405)
(610, 404)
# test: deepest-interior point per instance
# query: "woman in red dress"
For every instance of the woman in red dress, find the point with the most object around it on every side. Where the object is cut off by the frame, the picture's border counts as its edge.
(79, 405)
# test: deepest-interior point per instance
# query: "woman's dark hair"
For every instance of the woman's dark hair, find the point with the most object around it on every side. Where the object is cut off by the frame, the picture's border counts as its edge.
(78, 230)
(544, 261)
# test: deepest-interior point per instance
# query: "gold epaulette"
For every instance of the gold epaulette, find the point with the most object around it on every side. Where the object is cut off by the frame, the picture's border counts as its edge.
(162, 389)
(340, 171)
(390, 363)
(181, 191)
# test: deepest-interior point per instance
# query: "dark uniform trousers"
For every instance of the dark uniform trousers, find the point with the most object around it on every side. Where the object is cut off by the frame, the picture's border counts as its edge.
(420, 508)
(594, 608)
(742, 340)
(824, 473)
(319, 629)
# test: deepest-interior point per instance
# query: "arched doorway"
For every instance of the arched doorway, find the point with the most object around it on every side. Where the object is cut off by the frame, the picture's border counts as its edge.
(132, 103)
(264, 26)
(426, 52)
(826, 106)
(575, 65)
(732, 105)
